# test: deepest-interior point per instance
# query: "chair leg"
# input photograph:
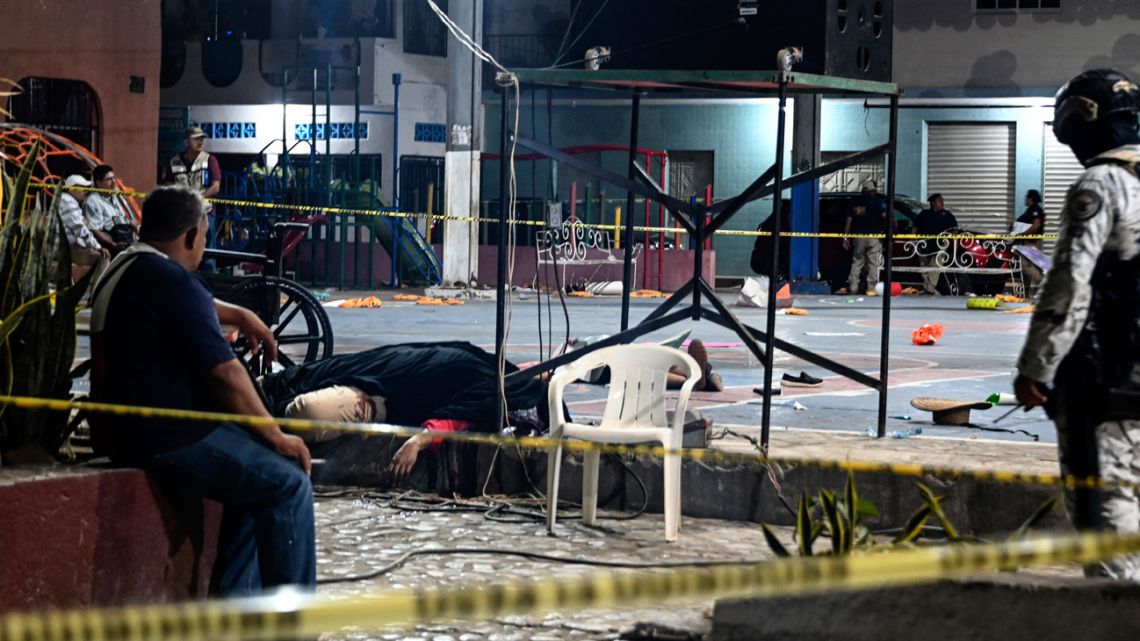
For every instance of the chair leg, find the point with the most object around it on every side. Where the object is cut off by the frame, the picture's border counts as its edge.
(553, 470)
(672, 502)
(590, 469)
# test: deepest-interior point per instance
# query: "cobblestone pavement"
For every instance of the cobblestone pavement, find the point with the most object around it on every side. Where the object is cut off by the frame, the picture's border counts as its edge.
(359, 533)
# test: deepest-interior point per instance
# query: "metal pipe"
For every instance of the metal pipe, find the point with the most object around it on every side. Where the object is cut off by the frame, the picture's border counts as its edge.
(627, 265)
(774, 266)
(313, 140)
(393, 223)
(888, 254)
(501, 286)
(698, 243)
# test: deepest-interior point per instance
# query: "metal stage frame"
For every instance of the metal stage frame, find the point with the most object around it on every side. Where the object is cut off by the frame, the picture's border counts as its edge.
(692, 215)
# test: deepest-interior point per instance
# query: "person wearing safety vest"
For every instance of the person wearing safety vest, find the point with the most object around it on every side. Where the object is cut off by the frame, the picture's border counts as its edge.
(199, 170)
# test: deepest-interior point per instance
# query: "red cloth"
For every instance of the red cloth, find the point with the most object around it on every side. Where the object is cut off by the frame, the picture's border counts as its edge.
(443, 425)
(927, 334)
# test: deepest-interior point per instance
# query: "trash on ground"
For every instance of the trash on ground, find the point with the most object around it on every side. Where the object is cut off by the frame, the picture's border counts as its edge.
(913, 431)
(1006, 298)
(982, 302)
(754, 293)
(901, 417)
(646, 293)
(369, 302)
(1001, 398)
(796, 311)
(1028, 309)
(798, 406)
(927, 334)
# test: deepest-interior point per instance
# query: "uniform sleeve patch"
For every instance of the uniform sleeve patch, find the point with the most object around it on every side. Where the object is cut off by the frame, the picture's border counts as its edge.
(1084, 204)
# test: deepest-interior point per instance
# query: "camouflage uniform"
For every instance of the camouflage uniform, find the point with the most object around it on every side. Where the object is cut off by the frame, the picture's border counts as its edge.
(1084, 337)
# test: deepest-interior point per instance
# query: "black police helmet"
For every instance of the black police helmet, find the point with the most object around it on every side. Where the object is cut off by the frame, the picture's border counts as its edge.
(1093, 98)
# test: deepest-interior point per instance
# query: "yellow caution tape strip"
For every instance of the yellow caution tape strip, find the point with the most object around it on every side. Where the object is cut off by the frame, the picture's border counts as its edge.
(380, 213)
(544, 443)
(289, 614)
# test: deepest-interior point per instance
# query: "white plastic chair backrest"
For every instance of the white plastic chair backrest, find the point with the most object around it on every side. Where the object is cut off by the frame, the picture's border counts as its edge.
(637, 385)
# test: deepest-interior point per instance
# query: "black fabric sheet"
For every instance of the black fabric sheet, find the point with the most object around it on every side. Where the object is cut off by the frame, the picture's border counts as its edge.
(419, 381)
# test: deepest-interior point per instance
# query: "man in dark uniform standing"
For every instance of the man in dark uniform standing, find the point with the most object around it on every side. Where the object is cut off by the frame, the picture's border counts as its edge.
(1031, 222)
(931, 222)
(868, 216)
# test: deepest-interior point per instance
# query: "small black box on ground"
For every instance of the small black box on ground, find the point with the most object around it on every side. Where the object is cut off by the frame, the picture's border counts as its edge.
(849, 38)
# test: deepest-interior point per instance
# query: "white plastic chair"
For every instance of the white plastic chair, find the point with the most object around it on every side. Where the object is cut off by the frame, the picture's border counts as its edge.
(635, 413)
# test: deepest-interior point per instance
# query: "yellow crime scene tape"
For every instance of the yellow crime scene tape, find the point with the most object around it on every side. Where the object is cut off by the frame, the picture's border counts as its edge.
(289, 614)
(381, 213)
(707, 455)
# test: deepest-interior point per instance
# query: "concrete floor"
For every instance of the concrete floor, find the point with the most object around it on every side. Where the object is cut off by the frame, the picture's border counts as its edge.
(974, 359)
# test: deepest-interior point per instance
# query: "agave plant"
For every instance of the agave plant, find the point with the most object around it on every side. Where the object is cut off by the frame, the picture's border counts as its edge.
(37, 337)
(841, 519)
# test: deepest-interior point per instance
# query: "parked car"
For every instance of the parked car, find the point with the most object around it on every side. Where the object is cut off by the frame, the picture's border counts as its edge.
(835, 261)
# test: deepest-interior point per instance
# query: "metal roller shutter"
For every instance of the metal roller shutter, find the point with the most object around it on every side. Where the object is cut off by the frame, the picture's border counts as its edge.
(972, 166)
(1061, 170)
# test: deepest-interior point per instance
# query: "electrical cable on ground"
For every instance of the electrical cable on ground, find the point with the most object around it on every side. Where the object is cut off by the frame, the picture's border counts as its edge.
(534, 556)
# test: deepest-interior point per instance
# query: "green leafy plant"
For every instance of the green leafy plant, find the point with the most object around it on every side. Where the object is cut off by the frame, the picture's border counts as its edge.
(830, 514)
(37, 330)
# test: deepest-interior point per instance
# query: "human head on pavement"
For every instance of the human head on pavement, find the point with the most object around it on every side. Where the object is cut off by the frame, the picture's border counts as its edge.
(175, 223)
(77, 180)
(195, 140)
(1095, 112)
(936, 202)
(868, 186)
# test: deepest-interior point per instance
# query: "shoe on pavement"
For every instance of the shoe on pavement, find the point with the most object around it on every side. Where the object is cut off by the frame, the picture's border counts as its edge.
(802, 380)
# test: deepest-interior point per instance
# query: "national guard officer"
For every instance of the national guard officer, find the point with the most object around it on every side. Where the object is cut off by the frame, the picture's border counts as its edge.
(1084, 339)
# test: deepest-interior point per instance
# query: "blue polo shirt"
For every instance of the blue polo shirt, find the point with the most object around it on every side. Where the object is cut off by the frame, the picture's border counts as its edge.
(155, 338)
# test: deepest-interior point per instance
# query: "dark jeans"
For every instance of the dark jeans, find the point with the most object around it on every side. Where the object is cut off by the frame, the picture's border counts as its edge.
(209, 264)
(267, 536)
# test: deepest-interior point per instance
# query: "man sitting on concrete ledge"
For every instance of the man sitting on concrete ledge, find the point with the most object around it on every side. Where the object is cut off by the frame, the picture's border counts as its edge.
(156, 341)
(443, 387)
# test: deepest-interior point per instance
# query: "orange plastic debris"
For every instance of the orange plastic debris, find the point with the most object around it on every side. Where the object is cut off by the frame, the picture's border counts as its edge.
(927, 334)
(646, 293)
(909, 291)
(411, 298)
(1028, 309)
(784, 292)
(1005, 298)
(370, 302)
(427, 300)
(453, 301)
(796, 311)
(582, 294)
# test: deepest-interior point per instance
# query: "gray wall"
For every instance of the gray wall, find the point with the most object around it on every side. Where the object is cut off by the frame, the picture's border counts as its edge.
(941, 46)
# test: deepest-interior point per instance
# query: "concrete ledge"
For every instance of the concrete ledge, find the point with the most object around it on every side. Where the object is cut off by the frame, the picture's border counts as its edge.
(732, 492)
(77, 536)
(1009, 608)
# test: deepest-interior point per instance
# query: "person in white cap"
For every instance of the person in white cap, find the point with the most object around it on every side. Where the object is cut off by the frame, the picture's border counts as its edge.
(86, 252)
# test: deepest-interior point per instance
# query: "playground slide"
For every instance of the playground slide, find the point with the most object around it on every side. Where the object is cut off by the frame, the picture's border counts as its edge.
(416, 262)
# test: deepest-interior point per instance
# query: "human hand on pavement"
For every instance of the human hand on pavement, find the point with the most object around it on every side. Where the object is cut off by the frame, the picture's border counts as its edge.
(258, 335)
(1029, 392)
(291, 446)
(405, 458)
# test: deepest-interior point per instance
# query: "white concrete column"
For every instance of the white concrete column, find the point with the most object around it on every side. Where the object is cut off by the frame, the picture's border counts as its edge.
(464, 139)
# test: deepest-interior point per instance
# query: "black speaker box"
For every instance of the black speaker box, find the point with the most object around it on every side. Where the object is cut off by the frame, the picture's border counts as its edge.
(850, 38)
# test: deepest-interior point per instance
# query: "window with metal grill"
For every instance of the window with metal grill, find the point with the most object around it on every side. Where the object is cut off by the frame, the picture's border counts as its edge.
(423, 32)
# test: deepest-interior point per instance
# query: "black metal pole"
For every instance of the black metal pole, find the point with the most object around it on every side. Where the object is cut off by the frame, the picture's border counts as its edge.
(885, 348)
(627, 243)
(777, 211)
(698, 235)
(502, 291)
